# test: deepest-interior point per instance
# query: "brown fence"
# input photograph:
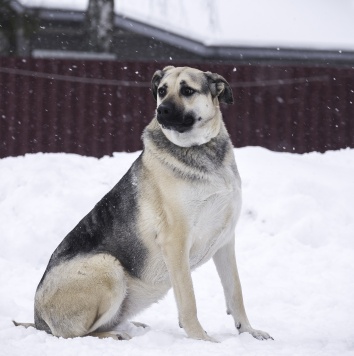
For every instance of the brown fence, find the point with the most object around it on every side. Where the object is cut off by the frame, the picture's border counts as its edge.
(96, 108)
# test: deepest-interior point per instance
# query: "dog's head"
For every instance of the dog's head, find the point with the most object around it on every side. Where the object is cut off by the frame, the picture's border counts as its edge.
(188, 104)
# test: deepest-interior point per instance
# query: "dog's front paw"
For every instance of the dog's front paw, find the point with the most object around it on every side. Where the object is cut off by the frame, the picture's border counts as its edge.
(205, 337)
(209, 338)
(258, 334)
(199, 334)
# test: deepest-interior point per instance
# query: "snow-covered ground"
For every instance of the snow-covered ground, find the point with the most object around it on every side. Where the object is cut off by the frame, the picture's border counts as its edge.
(315, 24)
(295, 244)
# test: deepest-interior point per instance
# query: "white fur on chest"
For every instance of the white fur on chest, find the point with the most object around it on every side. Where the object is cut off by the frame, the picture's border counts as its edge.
(212, 212)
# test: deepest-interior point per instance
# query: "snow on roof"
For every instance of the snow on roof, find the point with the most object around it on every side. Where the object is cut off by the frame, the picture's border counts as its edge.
(80, 5)
(304, 24)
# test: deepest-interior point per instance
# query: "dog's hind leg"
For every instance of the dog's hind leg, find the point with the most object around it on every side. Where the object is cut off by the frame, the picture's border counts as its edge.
(80, 296)
(225, 262)
(100, 335)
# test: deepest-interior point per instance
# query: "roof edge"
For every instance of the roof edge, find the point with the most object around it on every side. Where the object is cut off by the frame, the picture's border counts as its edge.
(239, 53)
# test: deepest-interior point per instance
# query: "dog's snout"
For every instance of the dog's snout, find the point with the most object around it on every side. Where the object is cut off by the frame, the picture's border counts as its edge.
(172, 118)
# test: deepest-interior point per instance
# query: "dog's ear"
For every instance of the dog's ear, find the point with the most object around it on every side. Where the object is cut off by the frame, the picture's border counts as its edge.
(156, 79)
(219, 87)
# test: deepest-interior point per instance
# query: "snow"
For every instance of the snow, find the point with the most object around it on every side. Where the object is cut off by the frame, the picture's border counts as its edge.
(294, 250)
(316, 24)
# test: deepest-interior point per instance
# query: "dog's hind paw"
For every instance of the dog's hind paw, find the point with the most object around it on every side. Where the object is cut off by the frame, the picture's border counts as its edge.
(123, 336)
(26, 325)
(111, 334)
(139, 325)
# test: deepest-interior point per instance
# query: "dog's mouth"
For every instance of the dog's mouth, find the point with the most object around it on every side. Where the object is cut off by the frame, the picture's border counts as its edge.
(180, 126)
(177, 127)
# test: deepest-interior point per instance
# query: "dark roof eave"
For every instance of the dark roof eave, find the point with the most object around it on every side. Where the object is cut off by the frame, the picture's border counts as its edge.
(228, 52)
(60, 15)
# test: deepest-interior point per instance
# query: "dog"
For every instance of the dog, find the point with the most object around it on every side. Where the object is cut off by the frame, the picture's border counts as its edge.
(175, 209)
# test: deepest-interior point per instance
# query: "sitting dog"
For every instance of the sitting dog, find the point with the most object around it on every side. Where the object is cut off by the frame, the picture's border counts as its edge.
(174, 209)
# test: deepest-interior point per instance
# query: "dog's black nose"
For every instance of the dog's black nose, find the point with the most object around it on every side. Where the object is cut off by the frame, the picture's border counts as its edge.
(165, 111)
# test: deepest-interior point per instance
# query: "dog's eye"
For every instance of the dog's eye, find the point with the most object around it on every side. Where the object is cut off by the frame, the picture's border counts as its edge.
(186, 91)
(162, 92)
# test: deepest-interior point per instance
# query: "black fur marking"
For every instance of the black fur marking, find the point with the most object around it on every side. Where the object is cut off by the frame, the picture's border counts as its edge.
(110, 228)
(40, 323)
(155, 81)
(205, 88)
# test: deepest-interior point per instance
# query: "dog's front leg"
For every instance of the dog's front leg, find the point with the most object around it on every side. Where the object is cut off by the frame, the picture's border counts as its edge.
(225, 262)
(176, 256)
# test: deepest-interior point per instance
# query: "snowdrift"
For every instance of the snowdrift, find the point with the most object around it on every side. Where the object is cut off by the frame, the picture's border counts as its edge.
(294, 247)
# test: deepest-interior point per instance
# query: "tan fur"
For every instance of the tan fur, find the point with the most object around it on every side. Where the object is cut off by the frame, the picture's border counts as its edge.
(88, 290)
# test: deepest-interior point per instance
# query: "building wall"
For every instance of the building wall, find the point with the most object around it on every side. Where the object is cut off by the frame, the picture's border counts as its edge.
(68, 35)
(96, 108)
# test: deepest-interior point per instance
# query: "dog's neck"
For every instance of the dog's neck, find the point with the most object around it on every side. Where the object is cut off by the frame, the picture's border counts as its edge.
(206, 158)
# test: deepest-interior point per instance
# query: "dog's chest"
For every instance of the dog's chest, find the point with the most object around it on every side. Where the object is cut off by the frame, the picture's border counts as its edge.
(211, 212)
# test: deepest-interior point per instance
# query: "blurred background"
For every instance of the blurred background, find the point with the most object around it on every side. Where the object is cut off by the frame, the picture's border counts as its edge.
(75, 75)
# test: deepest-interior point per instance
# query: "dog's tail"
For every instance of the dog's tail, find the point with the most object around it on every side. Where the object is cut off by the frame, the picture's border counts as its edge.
(26, 325)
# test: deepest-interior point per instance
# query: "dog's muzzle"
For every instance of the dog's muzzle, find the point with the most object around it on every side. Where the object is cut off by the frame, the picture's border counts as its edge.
(171, 118)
